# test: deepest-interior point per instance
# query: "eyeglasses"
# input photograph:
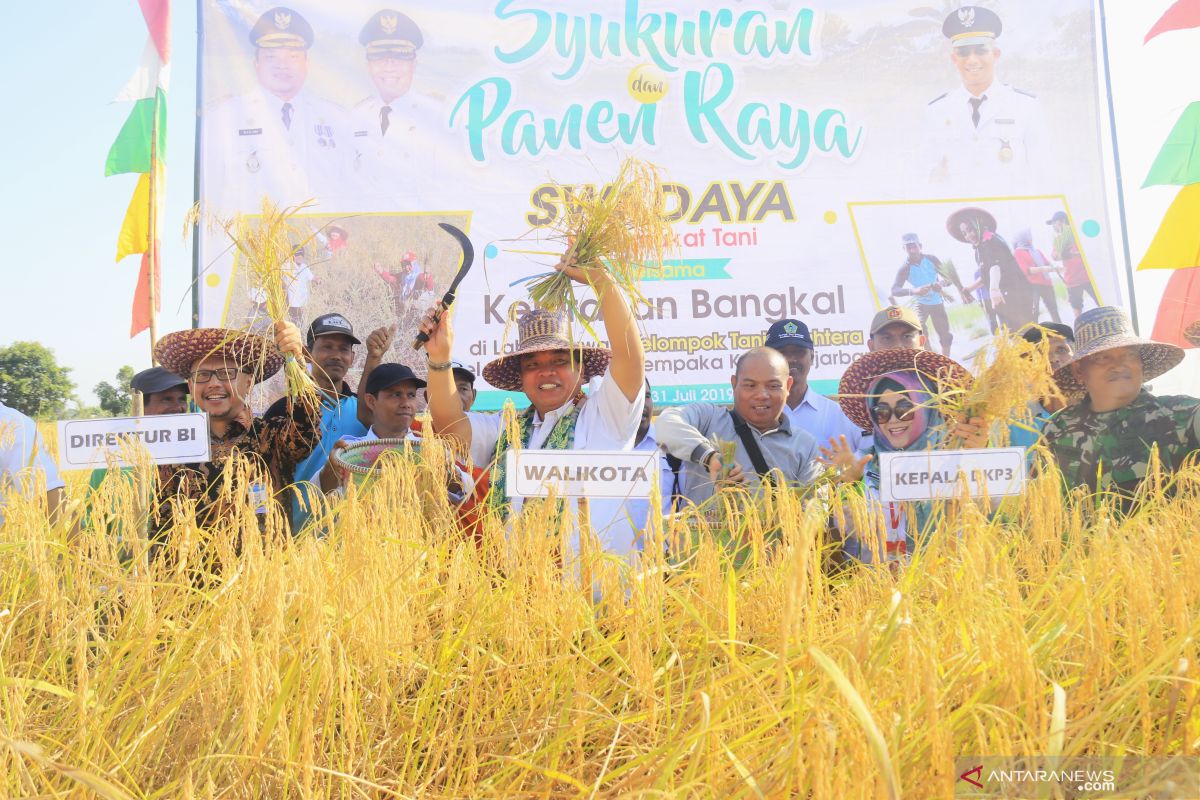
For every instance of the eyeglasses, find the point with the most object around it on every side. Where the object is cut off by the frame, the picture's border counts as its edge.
(882, 412)
(967, 50)
(206, 375)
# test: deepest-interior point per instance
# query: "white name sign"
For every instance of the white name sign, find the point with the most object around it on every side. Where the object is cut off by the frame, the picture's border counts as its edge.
(934, 474)
(169, 438)
(581, 473)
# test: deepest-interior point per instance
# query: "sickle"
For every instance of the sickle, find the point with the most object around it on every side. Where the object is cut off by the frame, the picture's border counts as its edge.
(468, 258)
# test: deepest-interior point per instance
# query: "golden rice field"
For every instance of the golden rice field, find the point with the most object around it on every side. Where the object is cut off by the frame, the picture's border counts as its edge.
(392, 659)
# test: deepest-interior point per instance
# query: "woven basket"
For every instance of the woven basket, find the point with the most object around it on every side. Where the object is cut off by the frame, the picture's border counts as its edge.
(361, 459)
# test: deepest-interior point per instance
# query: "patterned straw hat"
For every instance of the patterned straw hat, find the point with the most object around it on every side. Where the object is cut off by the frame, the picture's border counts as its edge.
(180, 351)
(539, 331)
(1107, 328)
(955, 220)
(1192, 333)
(934, 368)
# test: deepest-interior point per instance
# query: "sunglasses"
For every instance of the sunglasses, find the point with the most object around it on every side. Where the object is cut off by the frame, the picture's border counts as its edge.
(967, 50)
(882, 412)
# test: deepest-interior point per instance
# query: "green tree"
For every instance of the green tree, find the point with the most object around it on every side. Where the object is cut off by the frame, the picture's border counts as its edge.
(117, 401)
(32, 382)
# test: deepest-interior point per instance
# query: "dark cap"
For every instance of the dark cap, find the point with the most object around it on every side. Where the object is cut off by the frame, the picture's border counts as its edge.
(972, 25)
(1034, 333)
(156, 379)
(1057, 216)
(282, 27)
(910, 238)
(391, 34)
(461, 371)
(327, 324)
(788, 331)
(386, 375)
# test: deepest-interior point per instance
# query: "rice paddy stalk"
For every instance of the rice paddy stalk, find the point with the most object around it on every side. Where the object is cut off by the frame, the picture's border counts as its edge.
(622, 228)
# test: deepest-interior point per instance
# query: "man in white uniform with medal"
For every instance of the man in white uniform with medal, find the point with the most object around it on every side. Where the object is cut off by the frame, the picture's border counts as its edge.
(983, 137)
(277, 140)
(395, 129)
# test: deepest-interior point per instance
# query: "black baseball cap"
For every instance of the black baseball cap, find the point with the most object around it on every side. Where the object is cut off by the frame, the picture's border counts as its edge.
(789, 331)
(386, 375)
(1058, 216)
(460, 370)
(156, 379)
(1034, 333)
(330, 323)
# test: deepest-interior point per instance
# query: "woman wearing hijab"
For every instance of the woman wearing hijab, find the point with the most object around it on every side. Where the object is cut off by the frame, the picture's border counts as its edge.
(893, 393)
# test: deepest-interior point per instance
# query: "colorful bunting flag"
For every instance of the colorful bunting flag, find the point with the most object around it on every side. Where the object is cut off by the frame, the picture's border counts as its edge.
(140, 148)
(1177, 243)
(1178, 161)
(1184, 14)
(1179, 307)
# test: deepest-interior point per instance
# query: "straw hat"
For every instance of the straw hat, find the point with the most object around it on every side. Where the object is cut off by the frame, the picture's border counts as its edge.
(934, 368)
(1192, 333)
(1107, 328)
(539, 331)
(966, 215)
(181, 350)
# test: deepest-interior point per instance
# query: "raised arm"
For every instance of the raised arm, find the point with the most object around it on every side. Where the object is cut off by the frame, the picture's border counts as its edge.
(445, 406)
(628, 366)
(378, 343)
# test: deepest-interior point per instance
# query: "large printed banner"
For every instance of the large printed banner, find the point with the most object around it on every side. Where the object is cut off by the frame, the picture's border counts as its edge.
(822, 159)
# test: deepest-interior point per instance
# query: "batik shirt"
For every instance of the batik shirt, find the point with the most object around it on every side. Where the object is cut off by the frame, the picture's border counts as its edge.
(274, 447)
(1116, 445)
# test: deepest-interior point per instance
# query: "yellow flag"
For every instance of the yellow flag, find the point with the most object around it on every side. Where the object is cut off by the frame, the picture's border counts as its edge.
(135, 230)
(1177, 243)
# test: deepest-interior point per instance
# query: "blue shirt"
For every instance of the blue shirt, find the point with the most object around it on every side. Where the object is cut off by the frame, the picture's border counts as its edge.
(823, 418)
(924, 274)
(1028, 435)
(339, 419)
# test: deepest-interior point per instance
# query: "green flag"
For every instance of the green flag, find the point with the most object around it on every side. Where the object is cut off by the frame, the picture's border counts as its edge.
(131, 151)
(1178, 162)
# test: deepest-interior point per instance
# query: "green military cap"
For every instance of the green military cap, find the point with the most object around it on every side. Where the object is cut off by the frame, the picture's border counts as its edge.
(972, 25)
(391, 34)
(282, 27)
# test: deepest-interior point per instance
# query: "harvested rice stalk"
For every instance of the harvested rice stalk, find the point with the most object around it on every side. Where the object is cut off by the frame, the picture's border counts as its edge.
(1011, 374)
(267, 244)
(623, 227)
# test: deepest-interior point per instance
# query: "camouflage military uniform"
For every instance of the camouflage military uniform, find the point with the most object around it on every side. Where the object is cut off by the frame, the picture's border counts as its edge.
(1116, 444)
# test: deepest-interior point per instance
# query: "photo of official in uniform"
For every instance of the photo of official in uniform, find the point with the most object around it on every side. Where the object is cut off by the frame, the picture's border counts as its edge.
(982, 138)
(277, 139)
(395, 127)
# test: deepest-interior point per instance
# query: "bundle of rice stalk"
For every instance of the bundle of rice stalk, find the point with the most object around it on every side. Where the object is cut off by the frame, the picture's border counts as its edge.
(623, 228)
(267, 244)
(1010, 374)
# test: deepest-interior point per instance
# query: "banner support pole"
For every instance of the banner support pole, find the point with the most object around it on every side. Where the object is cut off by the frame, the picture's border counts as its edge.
(1112, 127)
(196, 228)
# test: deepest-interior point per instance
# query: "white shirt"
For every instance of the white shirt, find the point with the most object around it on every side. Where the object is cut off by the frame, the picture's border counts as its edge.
(625, 534)
(254, 154)
(22, 457)
(607, 421)
(822, 417)
(400, 164)
(1004, 152)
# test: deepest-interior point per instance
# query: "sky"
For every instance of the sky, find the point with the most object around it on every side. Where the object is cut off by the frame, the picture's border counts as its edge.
(62, 288)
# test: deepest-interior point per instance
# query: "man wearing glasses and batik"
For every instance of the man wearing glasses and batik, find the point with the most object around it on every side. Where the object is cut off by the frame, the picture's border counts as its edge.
(221, 367)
